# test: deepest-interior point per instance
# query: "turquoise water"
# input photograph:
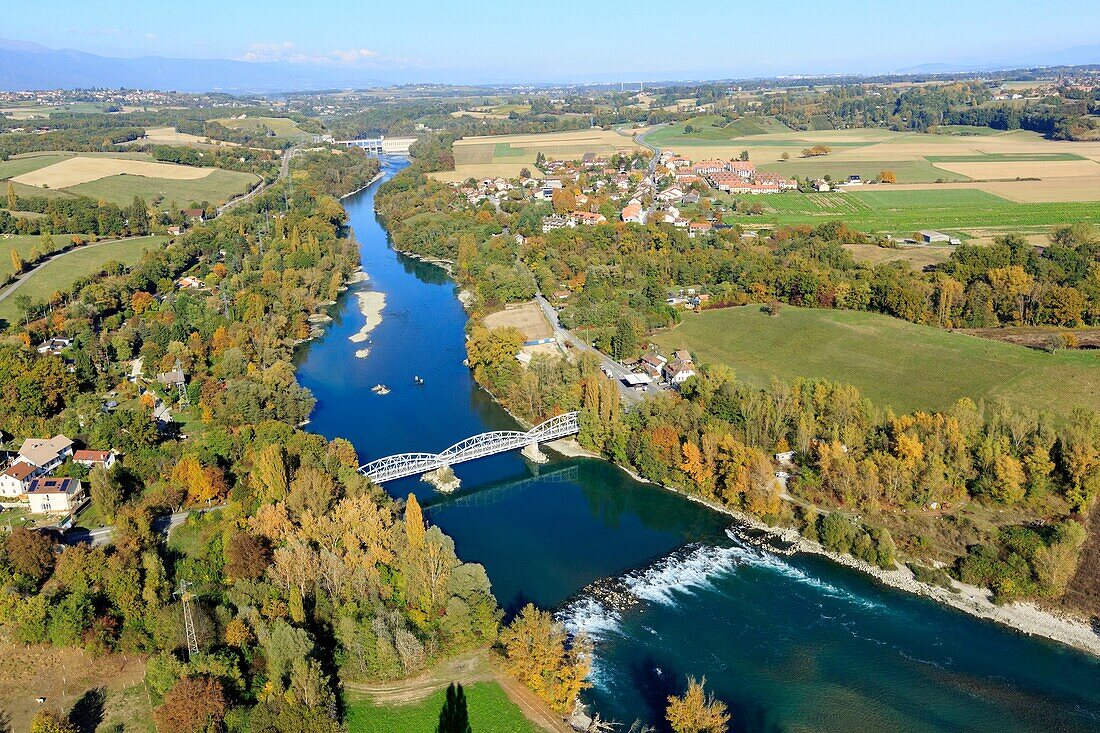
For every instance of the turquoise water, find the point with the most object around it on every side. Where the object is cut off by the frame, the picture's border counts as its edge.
(792, 644)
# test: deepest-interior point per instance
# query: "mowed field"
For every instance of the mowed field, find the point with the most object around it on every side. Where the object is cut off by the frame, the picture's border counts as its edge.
(966, 211)
(62, 271)
(118, 177)
(283, 127)
(891, 362)
(916, 158)
(489, 707)
(506, 155)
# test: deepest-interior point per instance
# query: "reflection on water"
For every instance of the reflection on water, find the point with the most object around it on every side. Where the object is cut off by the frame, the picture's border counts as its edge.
(792, 644)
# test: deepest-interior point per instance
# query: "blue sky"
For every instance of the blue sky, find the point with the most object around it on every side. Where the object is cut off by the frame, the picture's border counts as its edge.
(497, 40)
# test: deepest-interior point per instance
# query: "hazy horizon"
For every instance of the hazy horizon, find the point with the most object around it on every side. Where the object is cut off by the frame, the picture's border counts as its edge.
(509, 43)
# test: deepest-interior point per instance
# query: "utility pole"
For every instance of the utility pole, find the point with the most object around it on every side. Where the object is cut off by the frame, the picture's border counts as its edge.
(188, 621)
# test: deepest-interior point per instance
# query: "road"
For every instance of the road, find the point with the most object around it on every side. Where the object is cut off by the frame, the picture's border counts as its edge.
(284, 171)
(102, 535)
(23, 277)
(611, 367)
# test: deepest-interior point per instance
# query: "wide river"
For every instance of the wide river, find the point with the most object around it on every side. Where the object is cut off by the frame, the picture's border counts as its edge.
(791, 644)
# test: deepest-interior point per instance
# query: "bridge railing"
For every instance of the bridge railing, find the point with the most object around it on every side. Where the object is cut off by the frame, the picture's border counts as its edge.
(478, 446)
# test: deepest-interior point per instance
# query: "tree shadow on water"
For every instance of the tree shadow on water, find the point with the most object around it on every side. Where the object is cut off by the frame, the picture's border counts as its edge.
(87, 713)
(655, 681)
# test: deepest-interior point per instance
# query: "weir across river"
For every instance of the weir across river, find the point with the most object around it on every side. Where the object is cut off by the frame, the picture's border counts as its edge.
(401, 465)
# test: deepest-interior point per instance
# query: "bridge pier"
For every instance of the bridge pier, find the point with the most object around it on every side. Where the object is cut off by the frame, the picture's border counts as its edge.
(443, 479)
(533, 453)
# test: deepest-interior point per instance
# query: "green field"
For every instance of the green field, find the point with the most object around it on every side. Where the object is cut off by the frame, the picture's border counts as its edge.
(907, 171)
(892, 362)
(505, 150)
(967, 130)
(820, 122)
(218, 187)
(1002, 157)
(739, 132)
(490, 712)
(62, 272)
(23, 244)
(283, 127)
(880, 209)
(18, 166)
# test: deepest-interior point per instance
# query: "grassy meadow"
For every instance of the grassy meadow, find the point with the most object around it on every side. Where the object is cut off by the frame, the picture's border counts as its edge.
(283, 127)
(892, 362)
(63, 271)
(883, 209)
(217, 188)
(490, 712)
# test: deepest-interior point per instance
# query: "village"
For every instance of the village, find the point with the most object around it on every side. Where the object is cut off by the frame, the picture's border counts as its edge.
(638, 189)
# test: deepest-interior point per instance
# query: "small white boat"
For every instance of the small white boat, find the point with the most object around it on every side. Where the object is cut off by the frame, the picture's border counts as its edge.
(417, 380)
(380, 389)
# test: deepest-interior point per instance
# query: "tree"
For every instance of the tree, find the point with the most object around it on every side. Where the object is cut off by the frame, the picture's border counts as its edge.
(51, 721)
(744, 155)
(138, 216)
(106, 489)
(785, 157)
(537, 652)
(564, 201)
(13, 202)
(246, 556)
(454, 718)
(696, 711)
(194, 705)
(414, 523)
(16, 262)
(888, 177)
(270, 472)
(30, 553)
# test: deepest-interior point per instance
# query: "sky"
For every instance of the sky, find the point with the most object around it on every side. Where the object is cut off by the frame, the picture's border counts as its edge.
(518, 40)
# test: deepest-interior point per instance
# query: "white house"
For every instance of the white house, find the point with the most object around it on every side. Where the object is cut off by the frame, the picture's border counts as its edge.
(45, 453)
(677, 372)
(53, 495)
(16, 478)
(92, 458)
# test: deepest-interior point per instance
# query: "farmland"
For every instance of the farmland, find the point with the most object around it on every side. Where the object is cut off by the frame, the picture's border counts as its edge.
(892, 362)
(61, 272)
(282, 127)
(506, 155)
(489, 707)
(889, 210)
(119, 177)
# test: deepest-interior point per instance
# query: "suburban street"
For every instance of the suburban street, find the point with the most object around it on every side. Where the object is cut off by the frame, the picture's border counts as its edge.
(616, 370)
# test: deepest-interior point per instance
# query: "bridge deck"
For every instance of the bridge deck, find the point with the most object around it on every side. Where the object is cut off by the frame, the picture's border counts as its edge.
(401, 465)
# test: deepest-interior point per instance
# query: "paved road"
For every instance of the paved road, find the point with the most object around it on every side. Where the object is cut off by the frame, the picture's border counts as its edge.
(613, 368)
(284, 171)
(20, 279)
(102, 535)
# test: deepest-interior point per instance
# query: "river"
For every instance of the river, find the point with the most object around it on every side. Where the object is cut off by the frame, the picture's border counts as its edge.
(791, 644)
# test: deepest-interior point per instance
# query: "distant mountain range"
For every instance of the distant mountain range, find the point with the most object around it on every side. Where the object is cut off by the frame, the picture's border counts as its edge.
(31, 66)
(1076, 56)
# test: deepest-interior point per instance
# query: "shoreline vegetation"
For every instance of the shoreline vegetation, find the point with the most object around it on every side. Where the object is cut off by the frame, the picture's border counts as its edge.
(1022, 616)
(481, 261)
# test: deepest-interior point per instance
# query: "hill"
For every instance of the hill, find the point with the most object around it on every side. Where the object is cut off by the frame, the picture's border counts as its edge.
(892, 362)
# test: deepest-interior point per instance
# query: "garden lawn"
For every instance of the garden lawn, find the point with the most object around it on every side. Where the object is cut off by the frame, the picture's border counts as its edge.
(490, 712)
(892, 362)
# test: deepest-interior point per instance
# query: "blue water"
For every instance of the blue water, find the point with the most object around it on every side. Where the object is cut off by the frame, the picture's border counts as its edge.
(792, 644)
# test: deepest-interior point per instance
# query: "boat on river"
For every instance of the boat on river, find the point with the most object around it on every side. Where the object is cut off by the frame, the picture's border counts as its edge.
(380, 389)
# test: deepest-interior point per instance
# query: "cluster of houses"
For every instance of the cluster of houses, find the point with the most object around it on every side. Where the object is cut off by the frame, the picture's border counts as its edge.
(673, 372)
(29, 475)
(729, 176)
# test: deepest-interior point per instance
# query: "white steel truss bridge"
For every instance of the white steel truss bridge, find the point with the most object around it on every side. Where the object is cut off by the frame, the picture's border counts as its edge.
(401, 465)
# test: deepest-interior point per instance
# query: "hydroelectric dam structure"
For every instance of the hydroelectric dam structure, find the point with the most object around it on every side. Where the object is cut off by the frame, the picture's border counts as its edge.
(401, 465)
(380, 145)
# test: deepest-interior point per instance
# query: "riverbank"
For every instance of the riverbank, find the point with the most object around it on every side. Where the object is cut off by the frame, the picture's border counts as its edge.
(1024, 616)
(377, 177)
